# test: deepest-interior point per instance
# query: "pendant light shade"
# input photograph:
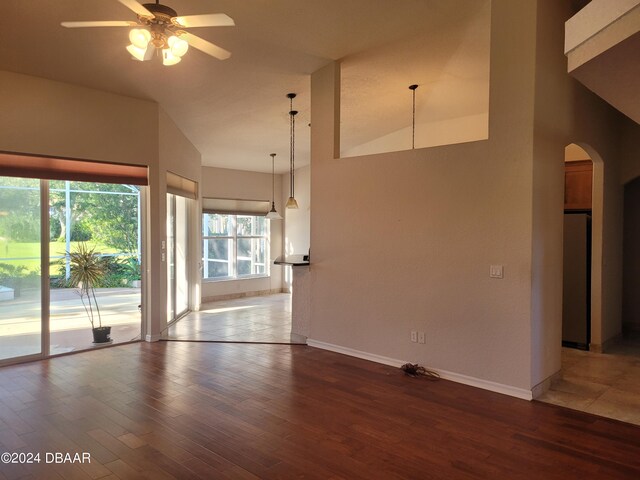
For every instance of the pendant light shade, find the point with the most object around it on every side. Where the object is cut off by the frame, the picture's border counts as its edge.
(291, 202)
(273, 215)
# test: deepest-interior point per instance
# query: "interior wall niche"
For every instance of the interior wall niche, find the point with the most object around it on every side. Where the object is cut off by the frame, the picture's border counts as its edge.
(450, 64)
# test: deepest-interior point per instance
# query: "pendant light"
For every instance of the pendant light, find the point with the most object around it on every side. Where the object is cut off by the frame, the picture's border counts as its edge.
(273, 215)
(291, 202)
(413, 116)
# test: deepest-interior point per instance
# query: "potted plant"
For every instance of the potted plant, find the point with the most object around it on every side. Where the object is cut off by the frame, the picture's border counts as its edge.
(87, 270)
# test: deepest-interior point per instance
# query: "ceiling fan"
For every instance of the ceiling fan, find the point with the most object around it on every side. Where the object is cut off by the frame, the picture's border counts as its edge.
(160, 28)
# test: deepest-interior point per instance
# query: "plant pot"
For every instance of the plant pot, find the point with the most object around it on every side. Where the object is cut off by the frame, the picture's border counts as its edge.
(101, 335)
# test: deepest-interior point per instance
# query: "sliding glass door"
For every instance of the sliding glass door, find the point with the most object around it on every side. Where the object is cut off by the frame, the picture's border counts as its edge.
(83, 225)
(94, 225)
(177, 267)
(20, 268)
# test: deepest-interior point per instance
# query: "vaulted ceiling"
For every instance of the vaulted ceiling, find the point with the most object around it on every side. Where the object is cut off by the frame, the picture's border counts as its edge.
(235, 111)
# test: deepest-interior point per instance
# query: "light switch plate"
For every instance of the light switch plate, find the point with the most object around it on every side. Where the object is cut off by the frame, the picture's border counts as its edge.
(496, 271)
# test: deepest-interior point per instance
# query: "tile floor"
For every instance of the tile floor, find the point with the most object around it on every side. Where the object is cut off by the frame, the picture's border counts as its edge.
(263, 319)
(606, 384)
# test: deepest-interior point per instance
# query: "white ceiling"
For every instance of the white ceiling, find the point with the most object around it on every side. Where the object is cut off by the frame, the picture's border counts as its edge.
(235, 111)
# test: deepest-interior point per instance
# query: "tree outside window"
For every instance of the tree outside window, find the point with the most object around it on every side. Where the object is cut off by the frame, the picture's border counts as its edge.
(234, 246)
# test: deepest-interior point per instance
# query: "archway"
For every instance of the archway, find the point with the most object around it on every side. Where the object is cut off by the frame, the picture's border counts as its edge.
(581, 152)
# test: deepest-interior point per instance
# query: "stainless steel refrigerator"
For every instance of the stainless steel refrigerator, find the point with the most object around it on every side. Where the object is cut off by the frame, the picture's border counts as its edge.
(576, 297)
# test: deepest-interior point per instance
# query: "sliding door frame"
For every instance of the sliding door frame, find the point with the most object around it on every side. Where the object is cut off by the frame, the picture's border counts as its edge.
(45, 267)
(45, 277)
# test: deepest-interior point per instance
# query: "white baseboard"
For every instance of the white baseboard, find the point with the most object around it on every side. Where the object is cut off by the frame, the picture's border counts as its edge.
(545, 385)
(454, 377)
(153, 338)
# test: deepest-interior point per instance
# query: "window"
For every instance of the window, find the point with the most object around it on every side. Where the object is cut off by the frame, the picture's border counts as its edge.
(234, 246)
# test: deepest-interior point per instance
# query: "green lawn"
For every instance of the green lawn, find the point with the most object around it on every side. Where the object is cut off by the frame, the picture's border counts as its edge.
(28, 253)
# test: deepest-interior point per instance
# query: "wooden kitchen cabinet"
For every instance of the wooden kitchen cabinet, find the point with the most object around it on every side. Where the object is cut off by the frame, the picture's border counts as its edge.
(578, 181)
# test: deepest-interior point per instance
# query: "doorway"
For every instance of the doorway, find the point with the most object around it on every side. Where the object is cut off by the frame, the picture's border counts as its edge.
(577, 235)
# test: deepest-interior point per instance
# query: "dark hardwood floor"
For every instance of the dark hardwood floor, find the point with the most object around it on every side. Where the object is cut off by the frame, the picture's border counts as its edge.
(224, 411)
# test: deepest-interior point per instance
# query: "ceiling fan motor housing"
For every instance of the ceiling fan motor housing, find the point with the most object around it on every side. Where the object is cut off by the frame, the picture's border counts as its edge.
(161, 25)
(161, 12)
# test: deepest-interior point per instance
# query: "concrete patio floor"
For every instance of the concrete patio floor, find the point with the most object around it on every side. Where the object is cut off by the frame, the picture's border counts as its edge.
(70, 328)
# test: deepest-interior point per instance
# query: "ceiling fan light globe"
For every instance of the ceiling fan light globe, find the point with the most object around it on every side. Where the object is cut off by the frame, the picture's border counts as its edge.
(178, 46)
(137, 53)
(140, 37)
(169, 58)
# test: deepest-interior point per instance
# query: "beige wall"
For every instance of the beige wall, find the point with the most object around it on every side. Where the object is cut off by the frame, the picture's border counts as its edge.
(297, 221)
(39, 116)
(630, 174)
(430, 134)
(176, 155)
(631, 291)
(239, 184)
(630, 151)
(403, 241)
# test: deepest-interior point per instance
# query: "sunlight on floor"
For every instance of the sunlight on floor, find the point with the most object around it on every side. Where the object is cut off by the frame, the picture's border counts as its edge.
(263, 319)
(20, 323)
(227, 309)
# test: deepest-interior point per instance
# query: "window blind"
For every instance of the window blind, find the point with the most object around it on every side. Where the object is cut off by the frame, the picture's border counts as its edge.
(54, 168)
(233, 206)
(181, 186)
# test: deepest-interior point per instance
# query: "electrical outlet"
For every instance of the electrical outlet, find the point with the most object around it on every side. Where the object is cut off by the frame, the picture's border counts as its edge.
(421, 338)
(496, 271)
(414, 336)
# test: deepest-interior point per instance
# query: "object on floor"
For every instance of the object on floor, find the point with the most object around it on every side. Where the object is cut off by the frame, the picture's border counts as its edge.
(415, 370)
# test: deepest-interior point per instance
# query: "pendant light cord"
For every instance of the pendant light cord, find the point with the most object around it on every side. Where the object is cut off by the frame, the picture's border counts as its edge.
(293, 143)
(413, 117)
(273, 181)
(292, 115)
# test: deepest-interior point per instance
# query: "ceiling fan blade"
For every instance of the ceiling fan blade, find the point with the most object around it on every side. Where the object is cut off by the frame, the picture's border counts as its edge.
(108, 23)
(205, 46)
(206, 20)
(136, 7)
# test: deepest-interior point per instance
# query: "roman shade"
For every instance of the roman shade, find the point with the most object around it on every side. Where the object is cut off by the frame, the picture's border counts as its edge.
(181, 186)
(233, 206)
(55, 168)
